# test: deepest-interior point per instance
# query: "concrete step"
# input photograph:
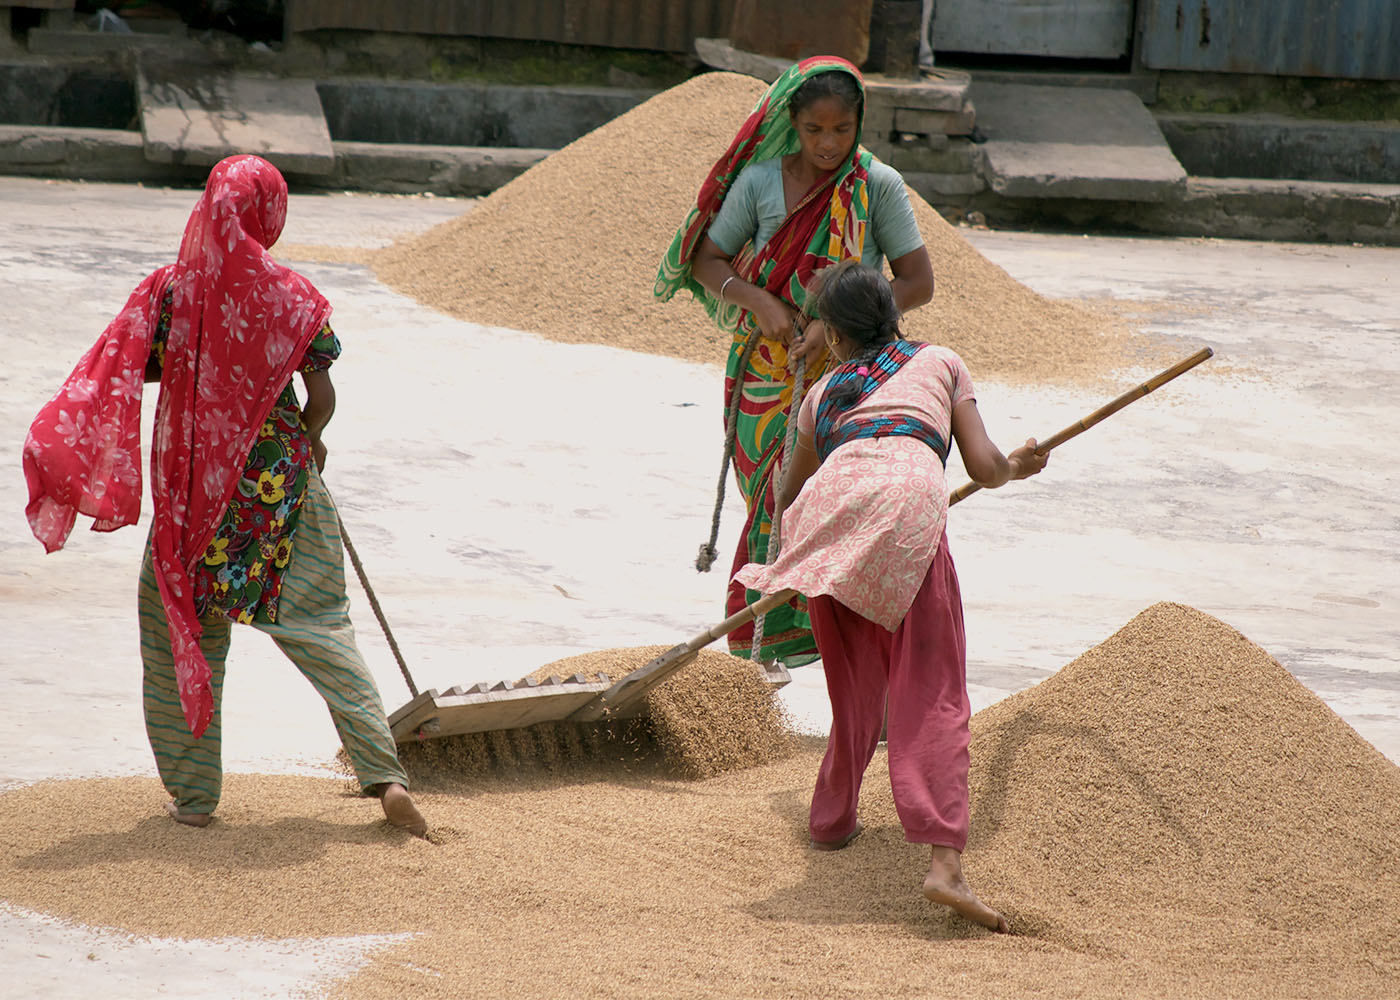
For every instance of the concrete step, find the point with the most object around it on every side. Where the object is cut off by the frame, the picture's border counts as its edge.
(938, 90)
(81, 42)
(1283, 148)
(1073, 142)
(196, 116)
(1142, 83)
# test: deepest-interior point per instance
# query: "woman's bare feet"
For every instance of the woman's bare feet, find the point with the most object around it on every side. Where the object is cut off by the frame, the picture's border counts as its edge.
(400, 810)
(189, 819)
(945, 884)
(836, 845)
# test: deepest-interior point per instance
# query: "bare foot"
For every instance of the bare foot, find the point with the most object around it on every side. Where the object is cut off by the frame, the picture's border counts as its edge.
(836, 845)
(189, 819)
(400, 810)
(945, 884)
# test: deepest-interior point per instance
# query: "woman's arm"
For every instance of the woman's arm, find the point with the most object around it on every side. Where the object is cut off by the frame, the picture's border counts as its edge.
(320, 406)
(714, 269)
(983, 460)
(799, 470)
(913, 279)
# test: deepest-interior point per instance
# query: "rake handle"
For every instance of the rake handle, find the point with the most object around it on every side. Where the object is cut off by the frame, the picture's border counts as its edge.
(631, 687)
(1102, 413)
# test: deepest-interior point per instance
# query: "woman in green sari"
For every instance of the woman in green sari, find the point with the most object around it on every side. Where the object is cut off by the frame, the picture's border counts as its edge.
(794, 193)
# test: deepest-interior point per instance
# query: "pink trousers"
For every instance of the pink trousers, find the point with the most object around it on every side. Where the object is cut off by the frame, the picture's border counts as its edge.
(917, 674)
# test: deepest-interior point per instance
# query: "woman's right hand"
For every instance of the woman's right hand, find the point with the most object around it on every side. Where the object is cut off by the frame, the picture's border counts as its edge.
(775, 318)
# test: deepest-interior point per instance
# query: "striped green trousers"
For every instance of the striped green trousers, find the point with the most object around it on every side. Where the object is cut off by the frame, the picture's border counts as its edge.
(313, 628)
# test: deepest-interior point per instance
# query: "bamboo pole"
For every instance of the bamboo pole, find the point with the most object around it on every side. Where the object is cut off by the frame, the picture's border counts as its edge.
(631, 687)
(1102, 413)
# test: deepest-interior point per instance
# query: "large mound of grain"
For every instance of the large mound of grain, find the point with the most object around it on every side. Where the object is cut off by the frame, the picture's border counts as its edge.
(1180, 773)
(570, 248)
(1170, 815)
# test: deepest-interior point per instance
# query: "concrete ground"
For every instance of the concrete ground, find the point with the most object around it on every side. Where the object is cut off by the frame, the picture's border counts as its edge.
(510, 511)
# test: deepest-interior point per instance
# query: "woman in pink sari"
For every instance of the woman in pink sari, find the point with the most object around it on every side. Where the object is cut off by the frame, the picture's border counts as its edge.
(243, 529)
(864, 539)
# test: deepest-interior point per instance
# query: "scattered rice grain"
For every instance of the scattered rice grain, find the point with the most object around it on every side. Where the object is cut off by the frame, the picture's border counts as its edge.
(1171, 814)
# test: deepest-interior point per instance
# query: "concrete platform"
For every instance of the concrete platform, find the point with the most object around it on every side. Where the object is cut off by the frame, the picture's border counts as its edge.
(1143, 83)
(941, 90)
(933, 103)
(1073, 142)
(200, 117)
(76, 120)
(1230, 207)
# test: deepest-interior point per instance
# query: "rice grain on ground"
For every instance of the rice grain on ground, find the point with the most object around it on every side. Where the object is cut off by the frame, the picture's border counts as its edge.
(1170, 815)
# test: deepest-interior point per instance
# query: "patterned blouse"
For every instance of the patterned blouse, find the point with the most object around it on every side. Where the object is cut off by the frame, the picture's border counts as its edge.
(240, 576)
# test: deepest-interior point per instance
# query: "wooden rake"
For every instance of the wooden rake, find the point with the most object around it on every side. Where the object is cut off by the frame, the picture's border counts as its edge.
(625, 693)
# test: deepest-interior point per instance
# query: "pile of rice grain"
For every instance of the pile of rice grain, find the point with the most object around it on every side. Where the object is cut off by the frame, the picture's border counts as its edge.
(1170, 815)
(1178, 772)
(715, 715)
(711, 716)
(570, 249)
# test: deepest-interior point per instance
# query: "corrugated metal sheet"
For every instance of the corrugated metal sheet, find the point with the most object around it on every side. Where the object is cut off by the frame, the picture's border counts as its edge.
(660, 25)
(1350, 39)
(1068, 29)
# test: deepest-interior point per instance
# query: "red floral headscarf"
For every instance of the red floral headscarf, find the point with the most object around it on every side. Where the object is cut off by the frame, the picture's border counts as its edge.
(240, 323)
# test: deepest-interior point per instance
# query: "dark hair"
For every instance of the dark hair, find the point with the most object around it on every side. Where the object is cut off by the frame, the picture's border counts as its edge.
(833, 83)
(858, 303)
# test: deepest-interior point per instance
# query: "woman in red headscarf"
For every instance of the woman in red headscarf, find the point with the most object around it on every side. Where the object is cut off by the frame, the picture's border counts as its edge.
(243, 529)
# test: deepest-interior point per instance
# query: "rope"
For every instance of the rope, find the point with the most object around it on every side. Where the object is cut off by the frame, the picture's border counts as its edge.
(374, 603)
(708, 552)
(775, 540)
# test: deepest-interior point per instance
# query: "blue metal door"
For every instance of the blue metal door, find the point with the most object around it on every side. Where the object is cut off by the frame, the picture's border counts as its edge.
(1352, 39)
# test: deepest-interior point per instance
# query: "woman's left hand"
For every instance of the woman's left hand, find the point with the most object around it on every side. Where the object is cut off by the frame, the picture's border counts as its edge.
(807, 343)
(1026, 461)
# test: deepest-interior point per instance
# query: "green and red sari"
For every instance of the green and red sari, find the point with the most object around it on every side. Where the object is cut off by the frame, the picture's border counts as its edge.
(826, 226)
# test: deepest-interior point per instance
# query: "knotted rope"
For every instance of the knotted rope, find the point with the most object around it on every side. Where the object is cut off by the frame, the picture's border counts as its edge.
(708, 552)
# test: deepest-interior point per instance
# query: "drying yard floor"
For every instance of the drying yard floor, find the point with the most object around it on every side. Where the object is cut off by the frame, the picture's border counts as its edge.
(1169, 814)
(1138, 819)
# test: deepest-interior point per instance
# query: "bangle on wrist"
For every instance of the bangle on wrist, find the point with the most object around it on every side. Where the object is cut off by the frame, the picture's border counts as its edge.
(726, 285)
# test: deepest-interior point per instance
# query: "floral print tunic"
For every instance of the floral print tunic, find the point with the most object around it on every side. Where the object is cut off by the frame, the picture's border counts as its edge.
(240, 575)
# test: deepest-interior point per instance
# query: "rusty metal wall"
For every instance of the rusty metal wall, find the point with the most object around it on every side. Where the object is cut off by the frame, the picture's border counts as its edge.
(660, 25)
(1350, 39)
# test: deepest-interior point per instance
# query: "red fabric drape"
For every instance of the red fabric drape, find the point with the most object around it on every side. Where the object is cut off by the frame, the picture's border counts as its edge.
(239, 326)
